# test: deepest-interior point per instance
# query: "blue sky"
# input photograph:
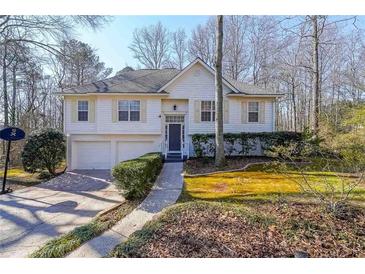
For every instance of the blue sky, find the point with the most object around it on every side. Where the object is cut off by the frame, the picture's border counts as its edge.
(112, 40)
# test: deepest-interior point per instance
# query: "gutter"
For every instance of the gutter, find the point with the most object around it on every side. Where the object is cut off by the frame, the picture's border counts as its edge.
(256, 95)
(111, 93)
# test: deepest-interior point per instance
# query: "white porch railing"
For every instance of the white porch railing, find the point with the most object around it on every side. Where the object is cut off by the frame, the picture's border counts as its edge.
(164, 148)
(185, 149)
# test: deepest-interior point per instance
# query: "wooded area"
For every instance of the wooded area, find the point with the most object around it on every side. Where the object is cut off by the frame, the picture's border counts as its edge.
(318, 62)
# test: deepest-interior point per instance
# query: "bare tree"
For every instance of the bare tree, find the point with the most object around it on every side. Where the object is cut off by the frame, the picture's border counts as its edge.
(315, 88)
(79, 64)
(38, 34)
(202, 42)
(236, 55)
(179, 50)
(219, 140)
(151, 45)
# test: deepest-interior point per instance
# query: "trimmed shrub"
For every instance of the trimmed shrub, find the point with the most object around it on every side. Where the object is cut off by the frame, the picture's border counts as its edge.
(136, 177)
(44, 149)
(242, 143)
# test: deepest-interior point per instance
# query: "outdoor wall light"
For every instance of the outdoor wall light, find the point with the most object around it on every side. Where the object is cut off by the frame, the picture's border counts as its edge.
(175, 107)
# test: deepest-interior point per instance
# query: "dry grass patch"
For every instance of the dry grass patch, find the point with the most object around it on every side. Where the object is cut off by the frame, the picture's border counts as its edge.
(17, 178)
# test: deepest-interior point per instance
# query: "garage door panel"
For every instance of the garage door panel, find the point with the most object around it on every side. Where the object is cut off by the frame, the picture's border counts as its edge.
(92, 155)
(129, 150)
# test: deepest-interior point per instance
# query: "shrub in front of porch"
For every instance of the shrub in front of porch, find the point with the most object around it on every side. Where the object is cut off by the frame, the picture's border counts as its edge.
(136, 177)
(242, 144)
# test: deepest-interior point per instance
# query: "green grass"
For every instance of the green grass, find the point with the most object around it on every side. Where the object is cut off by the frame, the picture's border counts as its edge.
(63, 245)
(265, 181)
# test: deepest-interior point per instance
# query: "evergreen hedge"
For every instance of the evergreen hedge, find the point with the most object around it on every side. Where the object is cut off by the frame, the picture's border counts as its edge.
(135, 177)
(242, 143)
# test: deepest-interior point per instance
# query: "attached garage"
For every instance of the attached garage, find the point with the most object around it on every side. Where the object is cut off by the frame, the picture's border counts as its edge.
(91, 155)
(133, 149)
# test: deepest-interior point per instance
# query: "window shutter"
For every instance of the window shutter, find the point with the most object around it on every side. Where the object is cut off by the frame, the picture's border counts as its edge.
(262, 112)
(244, 119)
(73, 110)
(114, 110)
(143, 111)
(225, 111)
(197, 115)
(91, 111)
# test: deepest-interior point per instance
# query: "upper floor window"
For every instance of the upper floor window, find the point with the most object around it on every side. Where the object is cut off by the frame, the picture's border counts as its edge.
(253, 112)
(129, 110)
(82, 110)
(207, 111)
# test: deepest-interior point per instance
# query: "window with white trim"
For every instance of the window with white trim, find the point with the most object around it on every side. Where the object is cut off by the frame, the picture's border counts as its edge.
(82, 110)
(129, 110)
(207, 111)
(253, 112)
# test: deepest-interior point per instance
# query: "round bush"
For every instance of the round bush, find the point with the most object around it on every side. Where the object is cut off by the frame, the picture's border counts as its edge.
(44, 149)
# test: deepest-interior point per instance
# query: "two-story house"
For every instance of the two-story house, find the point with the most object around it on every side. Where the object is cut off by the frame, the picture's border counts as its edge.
(140, 111)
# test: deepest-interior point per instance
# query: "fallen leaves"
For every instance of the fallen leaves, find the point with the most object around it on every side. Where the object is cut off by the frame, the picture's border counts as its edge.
(206, 229)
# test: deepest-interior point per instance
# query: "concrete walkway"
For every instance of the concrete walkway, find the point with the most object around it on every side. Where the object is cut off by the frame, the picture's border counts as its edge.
(31, 216)
(164, 193)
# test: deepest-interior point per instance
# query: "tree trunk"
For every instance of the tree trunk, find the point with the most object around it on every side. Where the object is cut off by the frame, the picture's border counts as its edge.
(294, 104)
(219, 141)
(315, 83)
(13, 99)
(5, 88)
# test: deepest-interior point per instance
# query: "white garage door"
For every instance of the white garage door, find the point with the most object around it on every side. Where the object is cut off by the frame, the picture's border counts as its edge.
(92, 155)
(131, 150)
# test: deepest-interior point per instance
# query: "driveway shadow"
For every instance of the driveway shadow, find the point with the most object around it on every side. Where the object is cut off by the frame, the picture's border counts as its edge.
(30, 216)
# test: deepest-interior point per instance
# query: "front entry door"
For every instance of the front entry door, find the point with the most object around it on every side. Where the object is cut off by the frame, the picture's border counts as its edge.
(174, 137)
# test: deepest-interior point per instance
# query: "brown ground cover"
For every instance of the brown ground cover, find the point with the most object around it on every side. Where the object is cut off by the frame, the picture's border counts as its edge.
(211, 229)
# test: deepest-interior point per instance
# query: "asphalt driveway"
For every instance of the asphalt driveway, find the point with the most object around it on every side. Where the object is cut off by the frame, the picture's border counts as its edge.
(30, 217)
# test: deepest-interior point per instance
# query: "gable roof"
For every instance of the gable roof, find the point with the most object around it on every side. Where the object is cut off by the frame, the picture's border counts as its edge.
(205, 65)
(249, 89)
(130, 81)
(157, 80)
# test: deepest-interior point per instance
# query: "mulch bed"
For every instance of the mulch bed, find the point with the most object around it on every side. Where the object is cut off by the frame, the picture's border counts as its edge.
(206, 165)
(204, 229)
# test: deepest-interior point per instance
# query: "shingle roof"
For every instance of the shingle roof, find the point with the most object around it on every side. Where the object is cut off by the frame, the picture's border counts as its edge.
(249, 89)
(136, 81)
(150, 81)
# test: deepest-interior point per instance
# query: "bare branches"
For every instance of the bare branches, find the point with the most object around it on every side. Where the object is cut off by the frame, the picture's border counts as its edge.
(150, 46)
(179, 48)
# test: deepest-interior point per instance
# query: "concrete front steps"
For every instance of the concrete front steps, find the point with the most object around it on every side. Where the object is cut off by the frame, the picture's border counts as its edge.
(174, 157)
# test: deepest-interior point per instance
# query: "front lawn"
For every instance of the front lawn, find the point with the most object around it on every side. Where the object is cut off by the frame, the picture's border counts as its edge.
(266, 181)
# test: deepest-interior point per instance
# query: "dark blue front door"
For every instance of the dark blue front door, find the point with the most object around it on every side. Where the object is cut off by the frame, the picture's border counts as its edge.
(174, 137)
